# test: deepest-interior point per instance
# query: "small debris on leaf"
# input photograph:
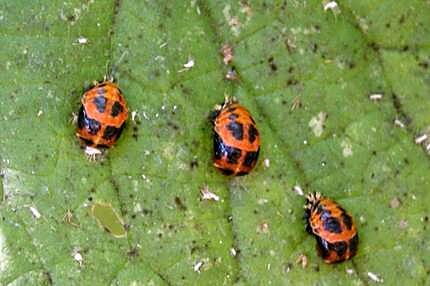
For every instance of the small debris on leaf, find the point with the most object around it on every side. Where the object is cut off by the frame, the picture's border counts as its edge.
(263, 228)
(298, 190)
(133, 115)
(421, 138)
(188, 65)
(296, 104)
(376, 96)
(81, 41)
(317, 123)
(399, 123)
(302, 260)
(77, 256)
(375, 277)
(231, 74)
(208, 195)
(198, 266)
(68, 218)
(92, 153)
(227, 53)
(331, 5)
(266, 163)
(395, 203)
(36, 214)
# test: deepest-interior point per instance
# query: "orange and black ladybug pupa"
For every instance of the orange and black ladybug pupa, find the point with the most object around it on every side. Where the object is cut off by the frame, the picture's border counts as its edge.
(334, 229)
(236, 139)
(102, 116)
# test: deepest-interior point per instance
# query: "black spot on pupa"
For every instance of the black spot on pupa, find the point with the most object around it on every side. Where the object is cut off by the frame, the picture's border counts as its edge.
(92, 125)
(252, 133)
(340, 247)
(326, 214)
(231, 109)
(110, 132)
(219, 147)
(251, 158)
(319, 209)
(322, 247)
(332, 225)
(100, 103)
(87, 142)
(236, 129)
(227, 172)
(116, 109)
(233, 155)
(347, 220)
(233, 116)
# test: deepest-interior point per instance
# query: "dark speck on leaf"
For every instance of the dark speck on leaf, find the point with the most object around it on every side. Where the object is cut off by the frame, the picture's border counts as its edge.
(180, 204)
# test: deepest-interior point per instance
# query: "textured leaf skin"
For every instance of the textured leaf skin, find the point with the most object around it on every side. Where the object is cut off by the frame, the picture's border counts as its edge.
(284, 52)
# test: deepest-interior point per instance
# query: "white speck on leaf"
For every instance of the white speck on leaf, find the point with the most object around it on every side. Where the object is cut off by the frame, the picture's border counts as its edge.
(302, 260)
(317, 123)
(92, 153)
(399, 123)
(82, 41)
(374, 277)
(375, 96)
(298, 190)
(208, 195)
(233, 252)
(35, 212)
(39, 113)
(346, 148)
(332, 6)
(77, 256)
(133, 115)
(197, 266)
(188, 65)
(262, 201)
(420, 139)
(266, 163)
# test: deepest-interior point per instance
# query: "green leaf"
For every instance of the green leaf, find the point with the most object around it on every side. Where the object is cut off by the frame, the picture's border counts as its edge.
(307, 75)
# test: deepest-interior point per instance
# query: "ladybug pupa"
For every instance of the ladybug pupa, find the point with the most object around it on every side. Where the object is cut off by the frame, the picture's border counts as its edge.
(334, 229)
(236, 140)
(101, 117)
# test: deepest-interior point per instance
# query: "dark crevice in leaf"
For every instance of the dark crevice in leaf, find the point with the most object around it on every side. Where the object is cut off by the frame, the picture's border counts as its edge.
(112, 65)
(211, 22)
(117, 188)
